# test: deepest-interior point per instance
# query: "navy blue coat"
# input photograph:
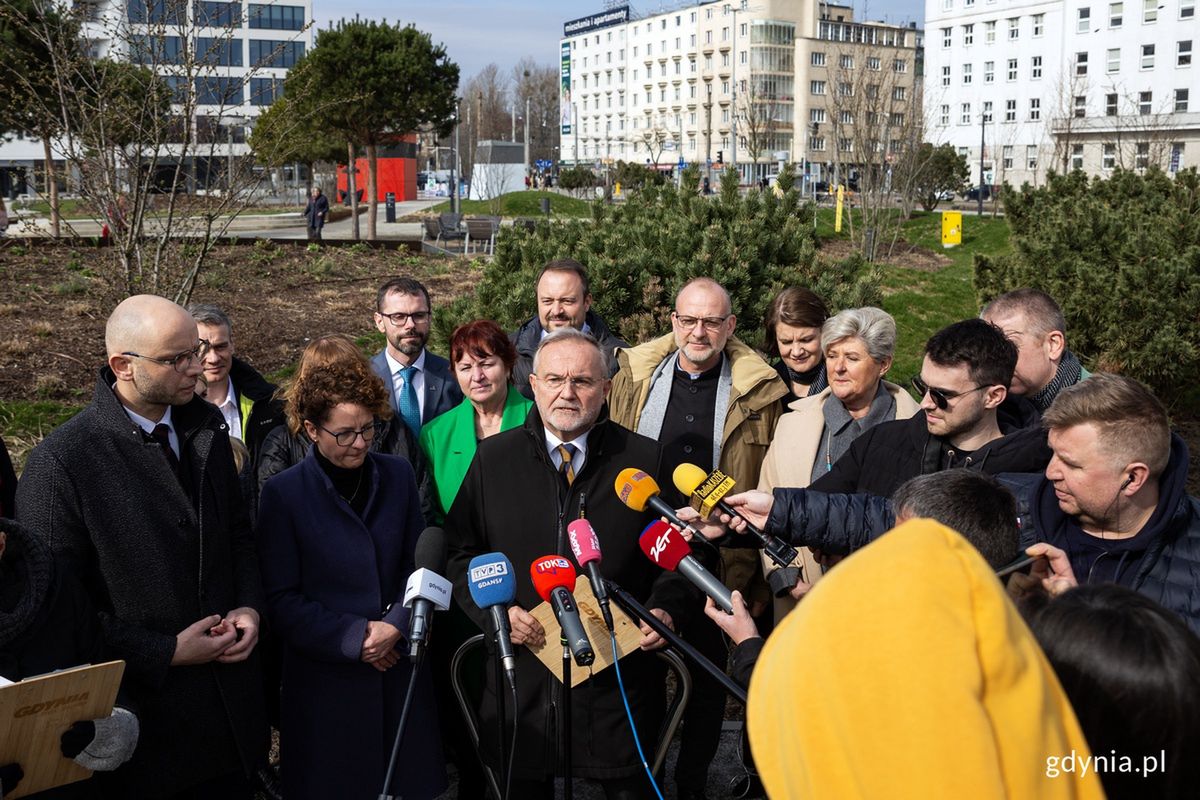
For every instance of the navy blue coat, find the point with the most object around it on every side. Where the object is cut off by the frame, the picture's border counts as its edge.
(327, 572)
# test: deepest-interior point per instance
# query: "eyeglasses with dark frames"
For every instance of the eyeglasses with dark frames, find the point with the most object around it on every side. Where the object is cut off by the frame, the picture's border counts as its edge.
(941, 397)
(711, 324)
(180, 361)
(400, 318)
(346, 438)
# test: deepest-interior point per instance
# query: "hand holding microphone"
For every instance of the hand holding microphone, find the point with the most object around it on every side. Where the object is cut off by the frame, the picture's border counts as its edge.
(665, 546)
(708, 491)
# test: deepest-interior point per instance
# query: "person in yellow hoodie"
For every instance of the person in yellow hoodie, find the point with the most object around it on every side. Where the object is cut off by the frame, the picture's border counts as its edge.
(916, 678)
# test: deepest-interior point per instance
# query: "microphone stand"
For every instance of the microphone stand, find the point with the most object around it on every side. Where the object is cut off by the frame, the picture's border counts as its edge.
(408, 696)
(502, 732)
(568, 789)
(635, 609)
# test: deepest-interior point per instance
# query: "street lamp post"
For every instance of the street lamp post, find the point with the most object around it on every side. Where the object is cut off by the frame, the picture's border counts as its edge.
(454, 162)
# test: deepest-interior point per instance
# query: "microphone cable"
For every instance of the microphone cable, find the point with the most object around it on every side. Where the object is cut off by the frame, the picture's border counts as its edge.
(512, 749)
(629, 715)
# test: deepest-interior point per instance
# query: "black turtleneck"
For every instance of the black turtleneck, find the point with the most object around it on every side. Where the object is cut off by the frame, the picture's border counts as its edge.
(351, 483)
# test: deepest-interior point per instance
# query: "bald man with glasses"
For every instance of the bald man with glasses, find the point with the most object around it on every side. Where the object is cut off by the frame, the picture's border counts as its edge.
(139, 495)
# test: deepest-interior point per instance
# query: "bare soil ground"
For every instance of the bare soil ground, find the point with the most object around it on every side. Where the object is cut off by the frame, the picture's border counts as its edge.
(909, 256)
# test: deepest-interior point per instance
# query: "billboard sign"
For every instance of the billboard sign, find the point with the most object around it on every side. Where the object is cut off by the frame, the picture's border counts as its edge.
(593, 22)
(565, 94)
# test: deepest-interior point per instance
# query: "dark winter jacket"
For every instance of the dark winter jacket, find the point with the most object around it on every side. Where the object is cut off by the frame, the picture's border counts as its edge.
(514, 501)
(8, 484)
(154, 558)
(260, 412)
(527, 337)
(890, 453)
(327, 572)
(282, 450)
(317, 211)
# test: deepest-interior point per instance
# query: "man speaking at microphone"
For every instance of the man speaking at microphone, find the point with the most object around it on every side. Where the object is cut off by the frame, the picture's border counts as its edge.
(522, 490)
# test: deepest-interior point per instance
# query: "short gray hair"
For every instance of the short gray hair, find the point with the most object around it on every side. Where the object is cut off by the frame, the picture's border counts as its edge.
(208, 314)
(873, 325)
(571, 334)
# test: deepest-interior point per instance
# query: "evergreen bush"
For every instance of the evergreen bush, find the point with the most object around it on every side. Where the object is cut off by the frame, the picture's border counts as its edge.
(638, 254)
(1122, 258)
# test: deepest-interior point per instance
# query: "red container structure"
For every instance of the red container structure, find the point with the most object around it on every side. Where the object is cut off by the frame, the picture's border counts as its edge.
(396, 165)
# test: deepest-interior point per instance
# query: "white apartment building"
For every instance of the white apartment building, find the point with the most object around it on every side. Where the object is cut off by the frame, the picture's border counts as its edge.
(709, 83)
(240, 52)
(1051, 84)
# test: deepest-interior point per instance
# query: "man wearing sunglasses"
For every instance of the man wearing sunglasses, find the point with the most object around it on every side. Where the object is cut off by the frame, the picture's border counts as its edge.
(139, 495)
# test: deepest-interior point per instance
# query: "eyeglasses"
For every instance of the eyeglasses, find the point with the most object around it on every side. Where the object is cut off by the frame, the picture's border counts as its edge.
(180, 361)
(941, 397)
(399, 318)
(712, 324)
(557, 382)
(346, 438)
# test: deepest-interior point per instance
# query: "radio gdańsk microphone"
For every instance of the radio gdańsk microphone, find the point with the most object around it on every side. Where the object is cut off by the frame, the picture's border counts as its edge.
(554, 579)
(493, 586)
(666, 547)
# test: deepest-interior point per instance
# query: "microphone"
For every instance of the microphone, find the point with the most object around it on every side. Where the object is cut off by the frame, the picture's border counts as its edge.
(639, 491)
(665, 546)
(554, 579)
(493, 586)
(708, 492)
(586, 548)
(426, 589)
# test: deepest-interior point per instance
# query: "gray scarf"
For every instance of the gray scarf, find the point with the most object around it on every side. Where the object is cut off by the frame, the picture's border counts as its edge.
(655, 411)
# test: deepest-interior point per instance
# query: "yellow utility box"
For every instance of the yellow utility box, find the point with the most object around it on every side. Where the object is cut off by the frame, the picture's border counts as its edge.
(951, 228)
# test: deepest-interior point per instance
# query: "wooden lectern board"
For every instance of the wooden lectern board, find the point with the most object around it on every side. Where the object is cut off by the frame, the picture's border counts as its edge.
(35, 712)
(550, 654)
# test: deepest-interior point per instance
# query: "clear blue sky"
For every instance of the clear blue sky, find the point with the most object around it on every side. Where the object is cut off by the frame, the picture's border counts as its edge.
(476, 32)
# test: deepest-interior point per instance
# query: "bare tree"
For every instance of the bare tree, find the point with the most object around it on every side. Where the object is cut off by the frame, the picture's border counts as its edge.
(760, 117)
(536, 87)
(486, 112)
(653, 137)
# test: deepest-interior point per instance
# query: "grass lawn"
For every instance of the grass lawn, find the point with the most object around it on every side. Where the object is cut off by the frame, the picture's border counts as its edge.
(523, 204)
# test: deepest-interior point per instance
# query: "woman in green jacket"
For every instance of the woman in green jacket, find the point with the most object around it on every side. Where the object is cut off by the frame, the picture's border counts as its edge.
(482, 358)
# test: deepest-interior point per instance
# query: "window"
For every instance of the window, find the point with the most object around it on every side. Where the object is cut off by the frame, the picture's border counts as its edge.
(965, 115)
(987, 110)
(216, 91)
(899, 93)
(873, 63)
(1113, 61)
(989, 72)
(163, 12)
(1010, 110)
(1039, 25)
(945, 76)
(268, 16)
(899, 65)
(846, 62)
(1083, 20)
(966, 73)
(1035, 109)
(1035, 68)
(1110, 105)
(1081, 63)
(275, 54)
(156, 49)
(1116, 15)
(1031, 156)
(1150, 10)
(945, 116)
(1183, 53)
(219, 52)
(845, 118)
(1187, 9)
(818, 59)
(816, 115)
(1142, 155)
(816, 87)
(264, 91)
(845, 89)
(1076, 156)
(1012, 69)
(1109, 160)
(1147, 56)
(1080, 106)
(1145, 102)
(1007, 156)
(816, 143)
(946, 37)
(989, 32)
(1014, 28)
(968, 35)
(218, 15)
(1181, 101)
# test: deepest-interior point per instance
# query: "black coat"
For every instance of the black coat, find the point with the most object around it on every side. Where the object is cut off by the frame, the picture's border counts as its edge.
(890, 453)
(155, 558)
(513, 501)
(527, 337)
(8, 484)
(266, 413)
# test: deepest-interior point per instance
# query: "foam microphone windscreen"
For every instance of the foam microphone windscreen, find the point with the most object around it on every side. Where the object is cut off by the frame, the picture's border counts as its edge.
(431, 550)
(584, 544)
(635, 487)
(550, 572)
(491, 580)
(663, 545)
(687, 477)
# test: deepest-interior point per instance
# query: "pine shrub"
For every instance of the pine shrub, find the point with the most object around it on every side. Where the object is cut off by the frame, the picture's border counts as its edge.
(1122, 258)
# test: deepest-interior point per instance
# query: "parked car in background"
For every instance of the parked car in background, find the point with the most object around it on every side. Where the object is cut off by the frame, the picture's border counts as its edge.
(973, 193)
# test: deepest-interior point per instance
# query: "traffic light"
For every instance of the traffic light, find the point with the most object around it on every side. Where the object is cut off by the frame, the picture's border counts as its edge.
(720, 156)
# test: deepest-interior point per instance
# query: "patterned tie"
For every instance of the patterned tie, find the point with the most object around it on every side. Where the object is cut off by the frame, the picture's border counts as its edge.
(567, 468)
(410, 409)
(162, 435)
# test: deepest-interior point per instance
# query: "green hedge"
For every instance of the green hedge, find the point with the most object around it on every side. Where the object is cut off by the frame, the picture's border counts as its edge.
(1122, 257)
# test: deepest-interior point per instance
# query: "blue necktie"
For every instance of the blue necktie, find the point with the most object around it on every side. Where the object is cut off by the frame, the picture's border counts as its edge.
(410, 409)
